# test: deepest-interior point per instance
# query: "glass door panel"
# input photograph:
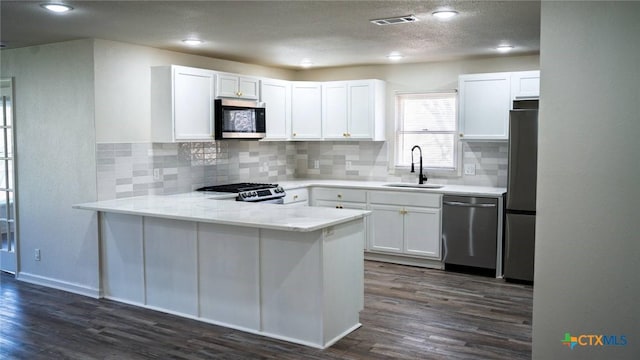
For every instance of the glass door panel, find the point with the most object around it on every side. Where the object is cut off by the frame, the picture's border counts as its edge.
(8, 238)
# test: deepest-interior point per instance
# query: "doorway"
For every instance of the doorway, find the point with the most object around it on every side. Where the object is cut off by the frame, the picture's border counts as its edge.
(8, 238)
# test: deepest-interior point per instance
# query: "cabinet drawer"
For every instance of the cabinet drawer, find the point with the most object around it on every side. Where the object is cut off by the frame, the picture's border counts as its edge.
(296, 195)
(349, 195)
(405, 199)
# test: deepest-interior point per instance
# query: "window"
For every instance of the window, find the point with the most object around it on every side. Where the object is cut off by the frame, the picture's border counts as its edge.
(428, 120)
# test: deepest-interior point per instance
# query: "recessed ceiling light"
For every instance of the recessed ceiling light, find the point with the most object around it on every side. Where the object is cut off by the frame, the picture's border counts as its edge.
(193, 42)
(504, 48)
(444, 14)
(306, 63)
(57, 8)
(394, 56)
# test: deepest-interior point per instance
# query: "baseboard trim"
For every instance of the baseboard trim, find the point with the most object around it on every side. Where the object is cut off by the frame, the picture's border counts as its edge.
(404, 260)
(58, 284)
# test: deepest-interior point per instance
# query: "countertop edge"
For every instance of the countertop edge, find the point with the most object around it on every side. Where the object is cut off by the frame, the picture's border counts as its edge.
(295, 228)
(486, 191)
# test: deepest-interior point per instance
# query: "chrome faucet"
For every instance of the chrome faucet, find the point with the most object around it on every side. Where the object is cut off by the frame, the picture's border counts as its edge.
(421, 178)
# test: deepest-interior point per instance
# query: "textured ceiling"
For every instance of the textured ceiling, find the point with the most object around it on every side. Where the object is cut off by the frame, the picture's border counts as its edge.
(282, 33)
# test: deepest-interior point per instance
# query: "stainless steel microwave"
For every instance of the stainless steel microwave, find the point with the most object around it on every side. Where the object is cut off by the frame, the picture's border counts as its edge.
(239, 119)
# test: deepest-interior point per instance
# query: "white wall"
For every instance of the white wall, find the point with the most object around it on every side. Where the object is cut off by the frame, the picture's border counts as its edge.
(122, 91)
(588, 225)
(56, 168)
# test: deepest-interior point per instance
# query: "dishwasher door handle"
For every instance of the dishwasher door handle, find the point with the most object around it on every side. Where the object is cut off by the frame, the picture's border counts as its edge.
(463, 204)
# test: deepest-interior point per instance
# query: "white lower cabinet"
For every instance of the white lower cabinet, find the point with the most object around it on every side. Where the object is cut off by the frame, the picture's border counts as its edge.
(297, 197)
(405, 224)
(341, 199)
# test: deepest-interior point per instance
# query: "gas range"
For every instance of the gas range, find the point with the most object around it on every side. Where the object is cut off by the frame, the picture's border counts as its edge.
(250, 192)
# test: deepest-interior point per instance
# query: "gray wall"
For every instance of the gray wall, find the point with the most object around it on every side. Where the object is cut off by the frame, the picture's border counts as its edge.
(55, 137)
(587, 236)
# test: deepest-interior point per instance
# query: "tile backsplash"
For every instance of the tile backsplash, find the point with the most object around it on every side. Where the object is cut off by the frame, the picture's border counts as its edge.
(134, 169)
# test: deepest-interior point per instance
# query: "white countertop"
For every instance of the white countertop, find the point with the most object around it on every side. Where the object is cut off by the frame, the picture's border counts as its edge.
(211, 206)
(468, 190)
(206, 207)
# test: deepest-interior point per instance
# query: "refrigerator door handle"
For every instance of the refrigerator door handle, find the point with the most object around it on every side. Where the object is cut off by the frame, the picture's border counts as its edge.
(457, 203)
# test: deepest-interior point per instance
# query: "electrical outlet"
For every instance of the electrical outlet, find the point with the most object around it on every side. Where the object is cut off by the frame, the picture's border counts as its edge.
(37, 254)
(157, 174)
(348, 165)
(469, 169)
(316, 164)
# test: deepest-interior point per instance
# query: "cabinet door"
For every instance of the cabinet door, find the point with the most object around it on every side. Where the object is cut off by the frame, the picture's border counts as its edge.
(334, 110)
(234, 86)
(525, 84)
(248, 88)
(193, 94)
(422, 232)
(306, 110)
(387, 228)
(277, 98)
(227, 85)
(485, 100)
(361, 110)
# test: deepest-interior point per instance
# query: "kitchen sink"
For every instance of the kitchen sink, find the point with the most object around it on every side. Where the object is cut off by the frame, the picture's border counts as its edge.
(417, 186)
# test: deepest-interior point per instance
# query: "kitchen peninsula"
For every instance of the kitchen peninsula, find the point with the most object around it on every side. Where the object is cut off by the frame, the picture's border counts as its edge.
(291, 273)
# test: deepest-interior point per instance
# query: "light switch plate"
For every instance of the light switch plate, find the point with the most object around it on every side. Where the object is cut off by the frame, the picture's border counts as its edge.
(469, 169)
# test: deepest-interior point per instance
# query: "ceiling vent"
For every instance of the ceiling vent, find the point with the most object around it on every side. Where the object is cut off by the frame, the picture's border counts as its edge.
(396, 20)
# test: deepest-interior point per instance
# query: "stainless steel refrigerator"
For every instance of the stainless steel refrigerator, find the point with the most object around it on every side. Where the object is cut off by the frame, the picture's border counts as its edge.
(520, 208)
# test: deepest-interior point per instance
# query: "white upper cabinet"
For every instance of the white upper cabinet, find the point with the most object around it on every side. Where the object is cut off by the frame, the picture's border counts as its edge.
(525, 84)
(353, 110)
(182, 103)
(335, 110)
(306, 110)
(235, 86)
(276, 94)
(485, 101)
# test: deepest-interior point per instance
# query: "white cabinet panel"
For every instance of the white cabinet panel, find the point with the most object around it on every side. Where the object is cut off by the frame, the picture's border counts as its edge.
(235, 86)
(387, 229)
(337, 194)
(485, 101)
(297, 196)
(361, 110)
(353, 110)
(121, 257)
(334, 110)
(290, 264)
(229, 289)
(525, 84)
(276, 95)
(171, 265)
(182, 103)
(399, 228)
(306, 110)
(422, 232)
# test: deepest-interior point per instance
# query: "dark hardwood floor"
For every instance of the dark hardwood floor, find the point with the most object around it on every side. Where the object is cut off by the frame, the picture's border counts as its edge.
(410, 313)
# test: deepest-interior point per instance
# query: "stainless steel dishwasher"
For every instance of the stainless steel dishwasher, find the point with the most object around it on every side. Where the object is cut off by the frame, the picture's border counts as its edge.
(470, 233)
